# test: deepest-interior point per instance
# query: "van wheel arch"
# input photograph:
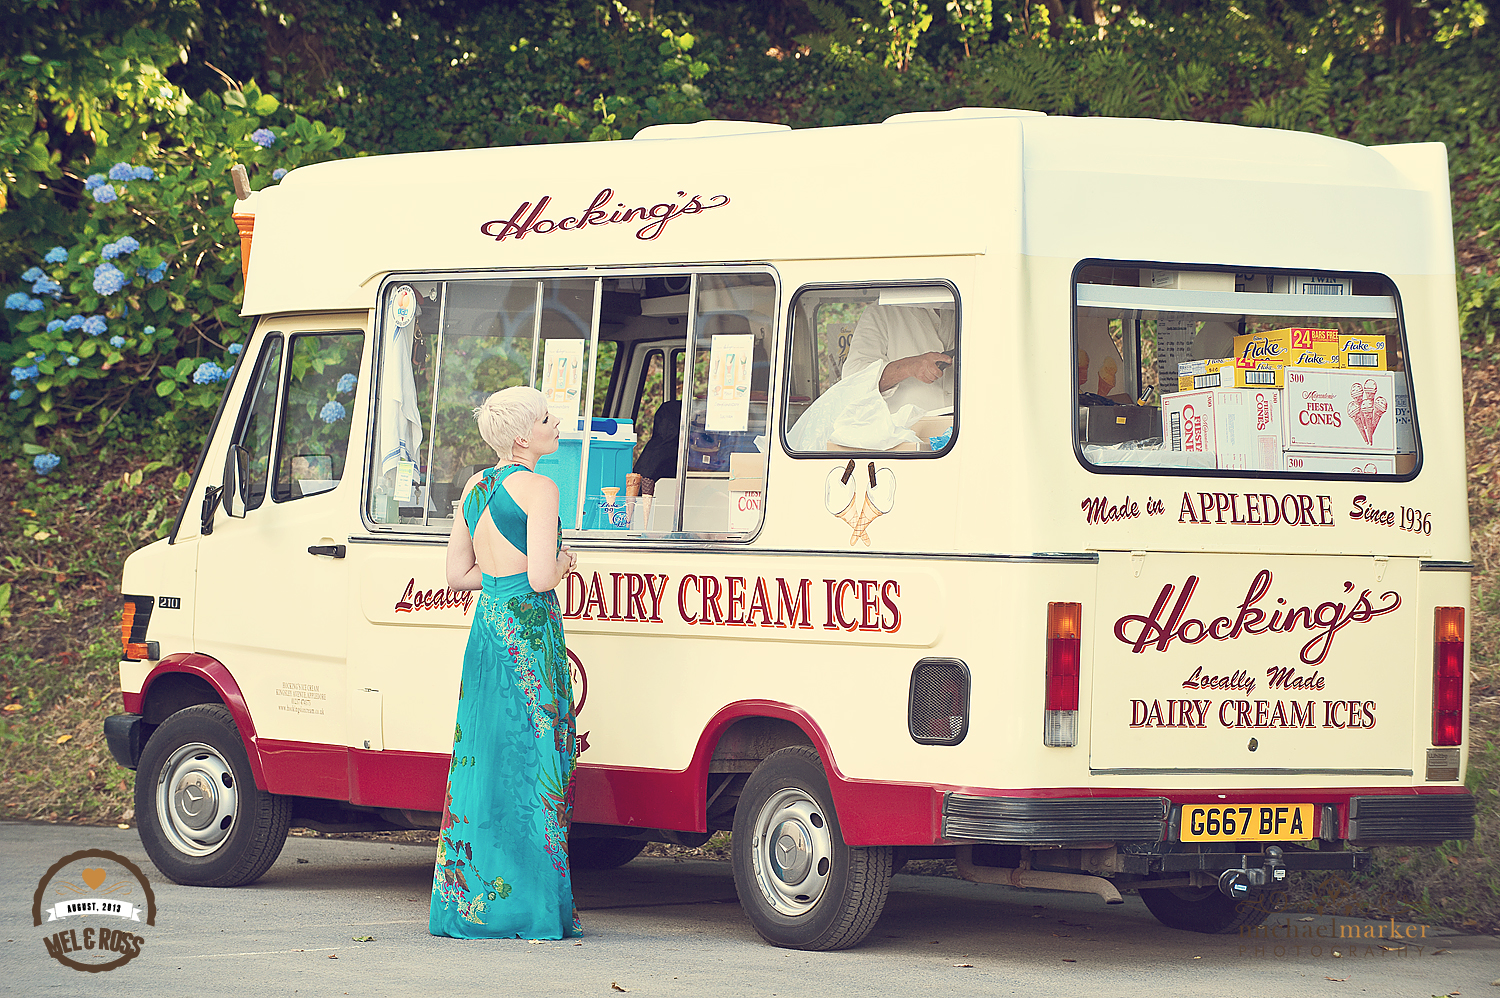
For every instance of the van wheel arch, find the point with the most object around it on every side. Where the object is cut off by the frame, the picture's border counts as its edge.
(174, 691)
(741, 747)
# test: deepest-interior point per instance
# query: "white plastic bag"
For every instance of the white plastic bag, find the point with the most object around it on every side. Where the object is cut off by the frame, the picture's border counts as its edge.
(853, 414)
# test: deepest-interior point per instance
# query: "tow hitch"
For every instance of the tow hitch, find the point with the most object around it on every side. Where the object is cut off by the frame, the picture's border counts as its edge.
(1240, 884)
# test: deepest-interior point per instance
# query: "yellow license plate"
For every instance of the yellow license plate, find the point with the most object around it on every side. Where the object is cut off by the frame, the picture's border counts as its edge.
(1248, 822)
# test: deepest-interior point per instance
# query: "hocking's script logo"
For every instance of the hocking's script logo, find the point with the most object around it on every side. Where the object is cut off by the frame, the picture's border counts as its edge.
(1325, 620)
(528, 219)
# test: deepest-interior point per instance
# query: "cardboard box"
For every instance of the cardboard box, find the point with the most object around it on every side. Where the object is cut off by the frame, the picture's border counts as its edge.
(1189, 280)
(1308, 284)
(1296, 346)
(1362, 353)
(1232, 372)
(1321, 463)
(1348, 412)
(1113, 424)
(1241, 428)
(746, 490)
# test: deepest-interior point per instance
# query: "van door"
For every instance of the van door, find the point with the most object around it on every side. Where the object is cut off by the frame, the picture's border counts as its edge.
(272, 586)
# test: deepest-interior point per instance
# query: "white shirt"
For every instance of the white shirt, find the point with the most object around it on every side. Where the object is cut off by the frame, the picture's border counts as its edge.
(887, 333)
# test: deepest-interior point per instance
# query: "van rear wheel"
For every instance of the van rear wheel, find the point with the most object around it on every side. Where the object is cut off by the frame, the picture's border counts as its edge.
(602, 854)
(202, 819)
(1204, 909)
(800, 884)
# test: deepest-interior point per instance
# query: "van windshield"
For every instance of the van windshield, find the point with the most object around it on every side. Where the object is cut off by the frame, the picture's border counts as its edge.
(1234, 372)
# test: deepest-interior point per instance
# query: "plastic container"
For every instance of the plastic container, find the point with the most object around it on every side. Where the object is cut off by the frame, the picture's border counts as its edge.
(609, 462)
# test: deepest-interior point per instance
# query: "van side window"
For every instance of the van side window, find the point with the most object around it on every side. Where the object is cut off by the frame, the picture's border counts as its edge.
(1216, 372)
(649, 447)
(260, 421)
(873, 368)
(322, 375)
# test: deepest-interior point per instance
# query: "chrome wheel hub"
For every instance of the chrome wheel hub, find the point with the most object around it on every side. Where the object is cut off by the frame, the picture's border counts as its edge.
(196, 799)
(793, 851)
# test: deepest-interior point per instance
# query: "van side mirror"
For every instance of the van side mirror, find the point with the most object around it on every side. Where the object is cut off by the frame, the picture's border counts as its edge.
(236, 470)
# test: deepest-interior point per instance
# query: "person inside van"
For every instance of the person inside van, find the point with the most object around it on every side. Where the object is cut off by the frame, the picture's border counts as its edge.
(915, 345)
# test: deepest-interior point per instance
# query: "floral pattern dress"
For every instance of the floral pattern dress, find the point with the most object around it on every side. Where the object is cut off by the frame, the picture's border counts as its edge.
(502, 862)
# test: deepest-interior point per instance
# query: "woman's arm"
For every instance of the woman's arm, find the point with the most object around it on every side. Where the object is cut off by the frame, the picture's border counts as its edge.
(463, 566)
(545, 565)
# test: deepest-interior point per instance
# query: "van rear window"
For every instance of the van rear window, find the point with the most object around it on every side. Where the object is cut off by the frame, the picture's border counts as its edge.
(1260, 373)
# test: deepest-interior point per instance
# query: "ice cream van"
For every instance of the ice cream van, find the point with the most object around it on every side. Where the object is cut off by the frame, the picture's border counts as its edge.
(1049, 616)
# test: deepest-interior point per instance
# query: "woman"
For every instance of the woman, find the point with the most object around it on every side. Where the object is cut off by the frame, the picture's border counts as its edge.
(502, 863)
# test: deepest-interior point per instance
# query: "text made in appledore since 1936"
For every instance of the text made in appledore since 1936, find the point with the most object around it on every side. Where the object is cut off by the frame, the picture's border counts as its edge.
(1172, 619)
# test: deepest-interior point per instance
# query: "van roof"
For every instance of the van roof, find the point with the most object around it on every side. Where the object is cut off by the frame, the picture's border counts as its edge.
(963, 182)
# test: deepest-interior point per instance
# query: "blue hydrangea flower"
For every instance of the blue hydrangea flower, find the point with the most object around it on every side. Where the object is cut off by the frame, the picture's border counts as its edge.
(32, 305)
(24, 373)
(95, 181)
(331, 412)
(235, 348)
(105, 194)
(208, 373)
(95, 325)
(278, 173)
(263, 137)
(347, 383)
(227, 372)
(44, 463)
(108, 279)
(55, 325)
(144, 173)
(47, 286)
(127, 244)
(154, 274)
(56, 255)
(117, 341)
(16, 300)
(122, 171)
(149, 330)
(72, 361)
(34, 274)
(79, 322)
(16, 393)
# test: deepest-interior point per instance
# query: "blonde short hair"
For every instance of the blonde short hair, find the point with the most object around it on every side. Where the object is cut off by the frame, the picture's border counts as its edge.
(507, 415)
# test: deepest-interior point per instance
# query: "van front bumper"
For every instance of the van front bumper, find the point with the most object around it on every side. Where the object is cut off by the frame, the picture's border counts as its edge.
(123, 733)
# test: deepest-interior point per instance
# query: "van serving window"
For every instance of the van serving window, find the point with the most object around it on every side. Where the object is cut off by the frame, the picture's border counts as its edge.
(649, 448)
(1219, 372)
(873, 368)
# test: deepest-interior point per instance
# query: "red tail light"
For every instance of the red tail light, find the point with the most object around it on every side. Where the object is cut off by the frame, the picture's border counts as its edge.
(1060, 716)
(1448, 676)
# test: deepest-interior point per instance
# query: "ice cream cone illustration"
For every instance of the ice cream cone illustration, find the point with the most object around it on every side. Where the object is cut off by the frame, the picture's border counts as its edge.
(1108, 370)
(859, 507)
(1083, 366)
(1366, 407)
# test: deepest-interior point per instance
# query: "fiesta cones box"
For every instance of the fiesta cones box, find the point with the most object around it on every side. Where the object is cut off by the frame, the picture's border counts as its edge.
(1318, 462)
(1294, 346)
(1242, 428)
(1350, 412)
(1227, 373)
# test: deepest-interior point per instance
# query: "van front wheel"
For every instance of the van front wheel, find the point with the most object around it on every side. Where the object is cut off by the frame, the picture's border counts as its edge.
(202, 819)
(800, 884)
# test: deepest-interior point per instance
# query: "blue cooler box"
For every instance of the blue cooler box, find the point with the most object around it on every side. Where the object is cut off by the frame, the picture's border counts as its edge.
(610, 461)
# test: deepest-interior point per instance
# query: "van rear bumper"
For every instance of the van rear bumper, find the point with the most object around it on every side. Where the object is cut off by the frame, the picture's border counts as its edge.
(1430, 818)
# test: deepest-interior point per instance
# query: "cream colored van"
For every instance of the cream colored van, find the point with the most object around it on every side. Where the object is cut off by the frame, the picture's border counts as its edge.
(1156, 581)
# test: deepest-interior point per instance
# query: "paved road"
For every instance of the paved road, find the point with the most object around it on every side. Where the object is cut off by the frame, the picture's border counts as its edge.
(665, 927)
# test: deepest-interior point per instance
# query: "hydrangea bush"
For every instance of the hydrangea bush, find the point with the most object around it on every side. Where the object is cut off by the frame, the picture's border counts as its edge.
(134, 324)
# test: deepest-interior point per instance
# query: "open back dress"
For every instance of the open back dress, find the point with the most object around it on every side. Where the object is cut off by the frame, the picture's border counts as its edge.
(502, 862)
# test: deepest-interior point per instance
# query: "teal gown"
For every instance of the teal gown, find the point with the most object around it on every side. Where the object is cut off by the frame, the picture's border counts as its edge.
(502, 861)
